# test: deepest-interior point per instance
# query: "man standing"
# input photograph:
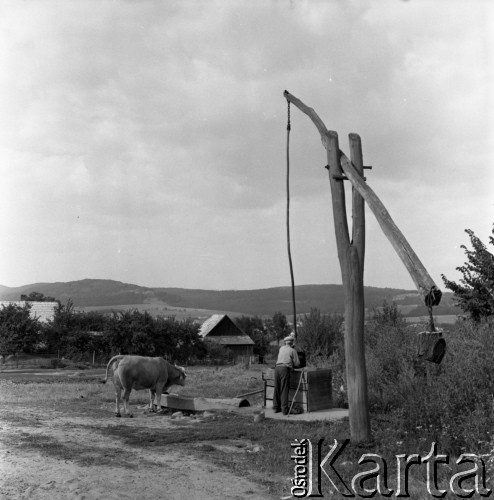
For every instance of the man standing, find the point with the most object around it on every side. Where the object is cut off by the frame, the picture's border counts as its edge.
(287, 360)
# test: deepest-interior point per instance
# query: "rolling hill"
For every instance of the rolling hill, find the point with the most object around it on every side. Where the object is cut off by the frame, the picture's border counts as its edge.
(89, 293)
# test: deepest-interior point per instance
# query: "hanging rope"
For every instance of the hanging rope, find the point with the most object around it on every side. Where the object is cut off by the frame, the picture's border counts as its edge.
(288, 128)
(430, 300)
(432, 328)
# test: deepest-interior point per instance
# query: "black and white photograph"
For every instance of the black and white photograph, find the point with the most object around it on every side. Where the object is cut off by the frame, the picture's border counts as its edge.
(247, 249)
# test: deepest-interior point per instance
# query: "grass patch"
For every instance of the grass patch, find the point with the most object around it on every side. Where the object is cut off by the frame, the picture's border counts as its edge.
(221, 381)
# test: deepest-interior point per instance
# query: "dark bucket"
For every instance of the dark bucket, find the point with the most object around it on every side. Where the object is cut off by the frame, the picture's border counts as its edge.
(431, 346)
(301, 358)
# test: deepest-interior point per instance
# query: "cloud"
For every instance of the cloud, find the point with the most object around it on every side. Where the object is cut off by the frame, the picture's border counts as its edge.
(147, 139)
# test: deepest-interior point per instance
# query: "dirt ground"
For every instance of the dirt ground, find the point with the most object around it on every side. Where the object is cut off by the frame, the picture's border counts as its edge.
(52, 454)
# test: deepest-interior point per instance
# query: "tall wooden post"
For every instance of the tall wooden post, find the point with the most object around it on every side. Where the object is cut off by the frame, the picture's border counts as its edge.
(351, 258)
(361, 418)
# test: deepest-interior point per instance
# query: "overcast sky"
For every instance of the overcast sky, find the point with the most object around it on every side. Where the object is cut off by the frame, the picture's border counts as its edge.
(144, 141)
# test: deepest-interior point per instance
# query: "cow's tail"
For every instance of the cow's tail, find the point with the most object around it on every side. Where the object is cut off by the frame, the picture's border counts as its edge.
(118, 357)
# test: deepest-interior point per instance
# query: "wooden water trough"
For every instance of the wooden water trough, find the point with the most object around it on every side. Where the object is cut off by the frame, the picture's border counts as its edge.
(201, 404)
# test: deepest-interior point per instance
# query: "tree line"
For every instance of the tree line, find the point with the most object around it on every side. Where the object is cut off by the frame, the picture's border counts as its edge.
(72, 334)
(79, 335)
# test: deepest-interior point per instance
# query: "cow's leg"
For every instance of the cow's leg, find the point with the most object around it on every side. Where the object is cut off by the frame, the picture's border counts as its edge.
(159, 390)
(118, 392)
(126, 396)
(152, 394)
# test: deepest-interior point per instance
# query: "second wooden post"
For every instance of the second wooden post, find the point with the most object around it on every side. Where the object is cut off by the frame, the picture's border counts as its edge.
(351, 257)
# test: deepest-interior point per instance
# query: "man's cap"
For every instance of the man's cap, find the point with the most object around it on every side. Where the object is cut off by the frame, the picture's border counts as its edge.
(290, 338)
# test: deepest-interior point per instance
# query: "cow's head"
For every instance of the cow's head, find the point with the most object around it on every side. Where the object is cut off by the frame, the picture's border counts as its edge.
(181, 376)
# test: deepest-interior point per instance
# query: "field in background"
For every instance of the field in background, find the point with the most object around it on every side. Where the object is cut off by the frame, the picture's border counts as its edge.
(201, 315)
(444, 319)
(161, 309)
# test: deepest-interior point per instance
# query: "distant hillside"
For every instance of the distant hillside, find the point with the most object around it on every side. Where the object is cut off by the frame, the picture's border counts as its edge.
(327, 298)
(89, 292)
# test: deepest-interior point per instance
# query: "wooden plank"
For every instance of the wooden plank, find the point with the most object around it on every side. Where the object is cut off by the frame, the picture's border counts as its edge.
(301, 396)
(320, 391)
(268, 373)
(319, 375)
(293, 384)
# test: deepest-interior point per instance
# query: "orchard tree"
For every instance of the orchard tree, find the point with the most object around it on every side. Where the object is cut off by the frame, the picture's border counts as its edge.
(280, 326)
(255, 328)
(249, 323)
(320, 334)
(18, 331)
(475, 291)
(59, 328)
(123, 336)
(188, 343)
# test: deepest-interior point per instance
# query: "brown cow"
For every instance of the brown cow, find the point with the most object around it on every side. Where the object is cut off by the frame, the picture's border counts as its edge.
(140, 372)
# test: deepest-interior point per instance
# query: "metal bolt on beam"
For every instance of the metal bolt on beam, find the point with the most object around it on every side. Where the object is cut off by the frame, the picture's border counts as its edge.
(344, 178)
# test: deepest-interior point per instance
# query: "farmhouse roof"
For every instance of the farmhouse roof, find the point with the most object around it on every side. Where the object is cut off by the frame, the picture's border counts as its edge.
(43, 311)
(231, 339)
(221, 329)
(210, 323)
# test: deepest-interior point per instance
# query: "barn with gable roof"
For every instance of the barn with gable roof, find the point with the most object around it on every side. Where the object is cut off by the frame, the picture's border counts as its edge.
(219, 328)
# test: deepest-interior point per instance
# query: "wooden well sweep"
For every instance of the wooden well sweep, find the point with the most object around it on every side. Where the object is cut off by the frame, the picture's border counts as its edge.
(351, 252)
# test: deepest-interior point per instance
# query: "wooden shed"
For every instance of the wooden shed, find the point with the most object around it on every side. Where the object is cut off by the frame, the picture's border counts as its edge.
(221, 329)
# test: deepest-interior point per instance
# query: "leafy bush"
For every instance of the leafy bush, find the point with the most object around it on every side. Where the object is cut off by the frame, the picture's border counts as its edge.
(320, 336)
(454, 403)
(18, 331)
(54, 363)
(336, 363)
(390, 357)
(258, 331)
(475, 291)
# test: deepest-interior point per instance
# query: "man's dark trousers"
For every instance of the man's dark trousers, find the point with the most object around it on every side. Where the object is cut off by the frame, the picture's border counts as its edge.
(281, 388)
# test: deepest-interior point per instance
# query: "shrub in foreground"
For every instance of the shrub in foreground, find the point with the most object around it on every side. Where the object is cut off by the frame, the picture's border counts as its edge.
(453, 404)
(456, 405)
